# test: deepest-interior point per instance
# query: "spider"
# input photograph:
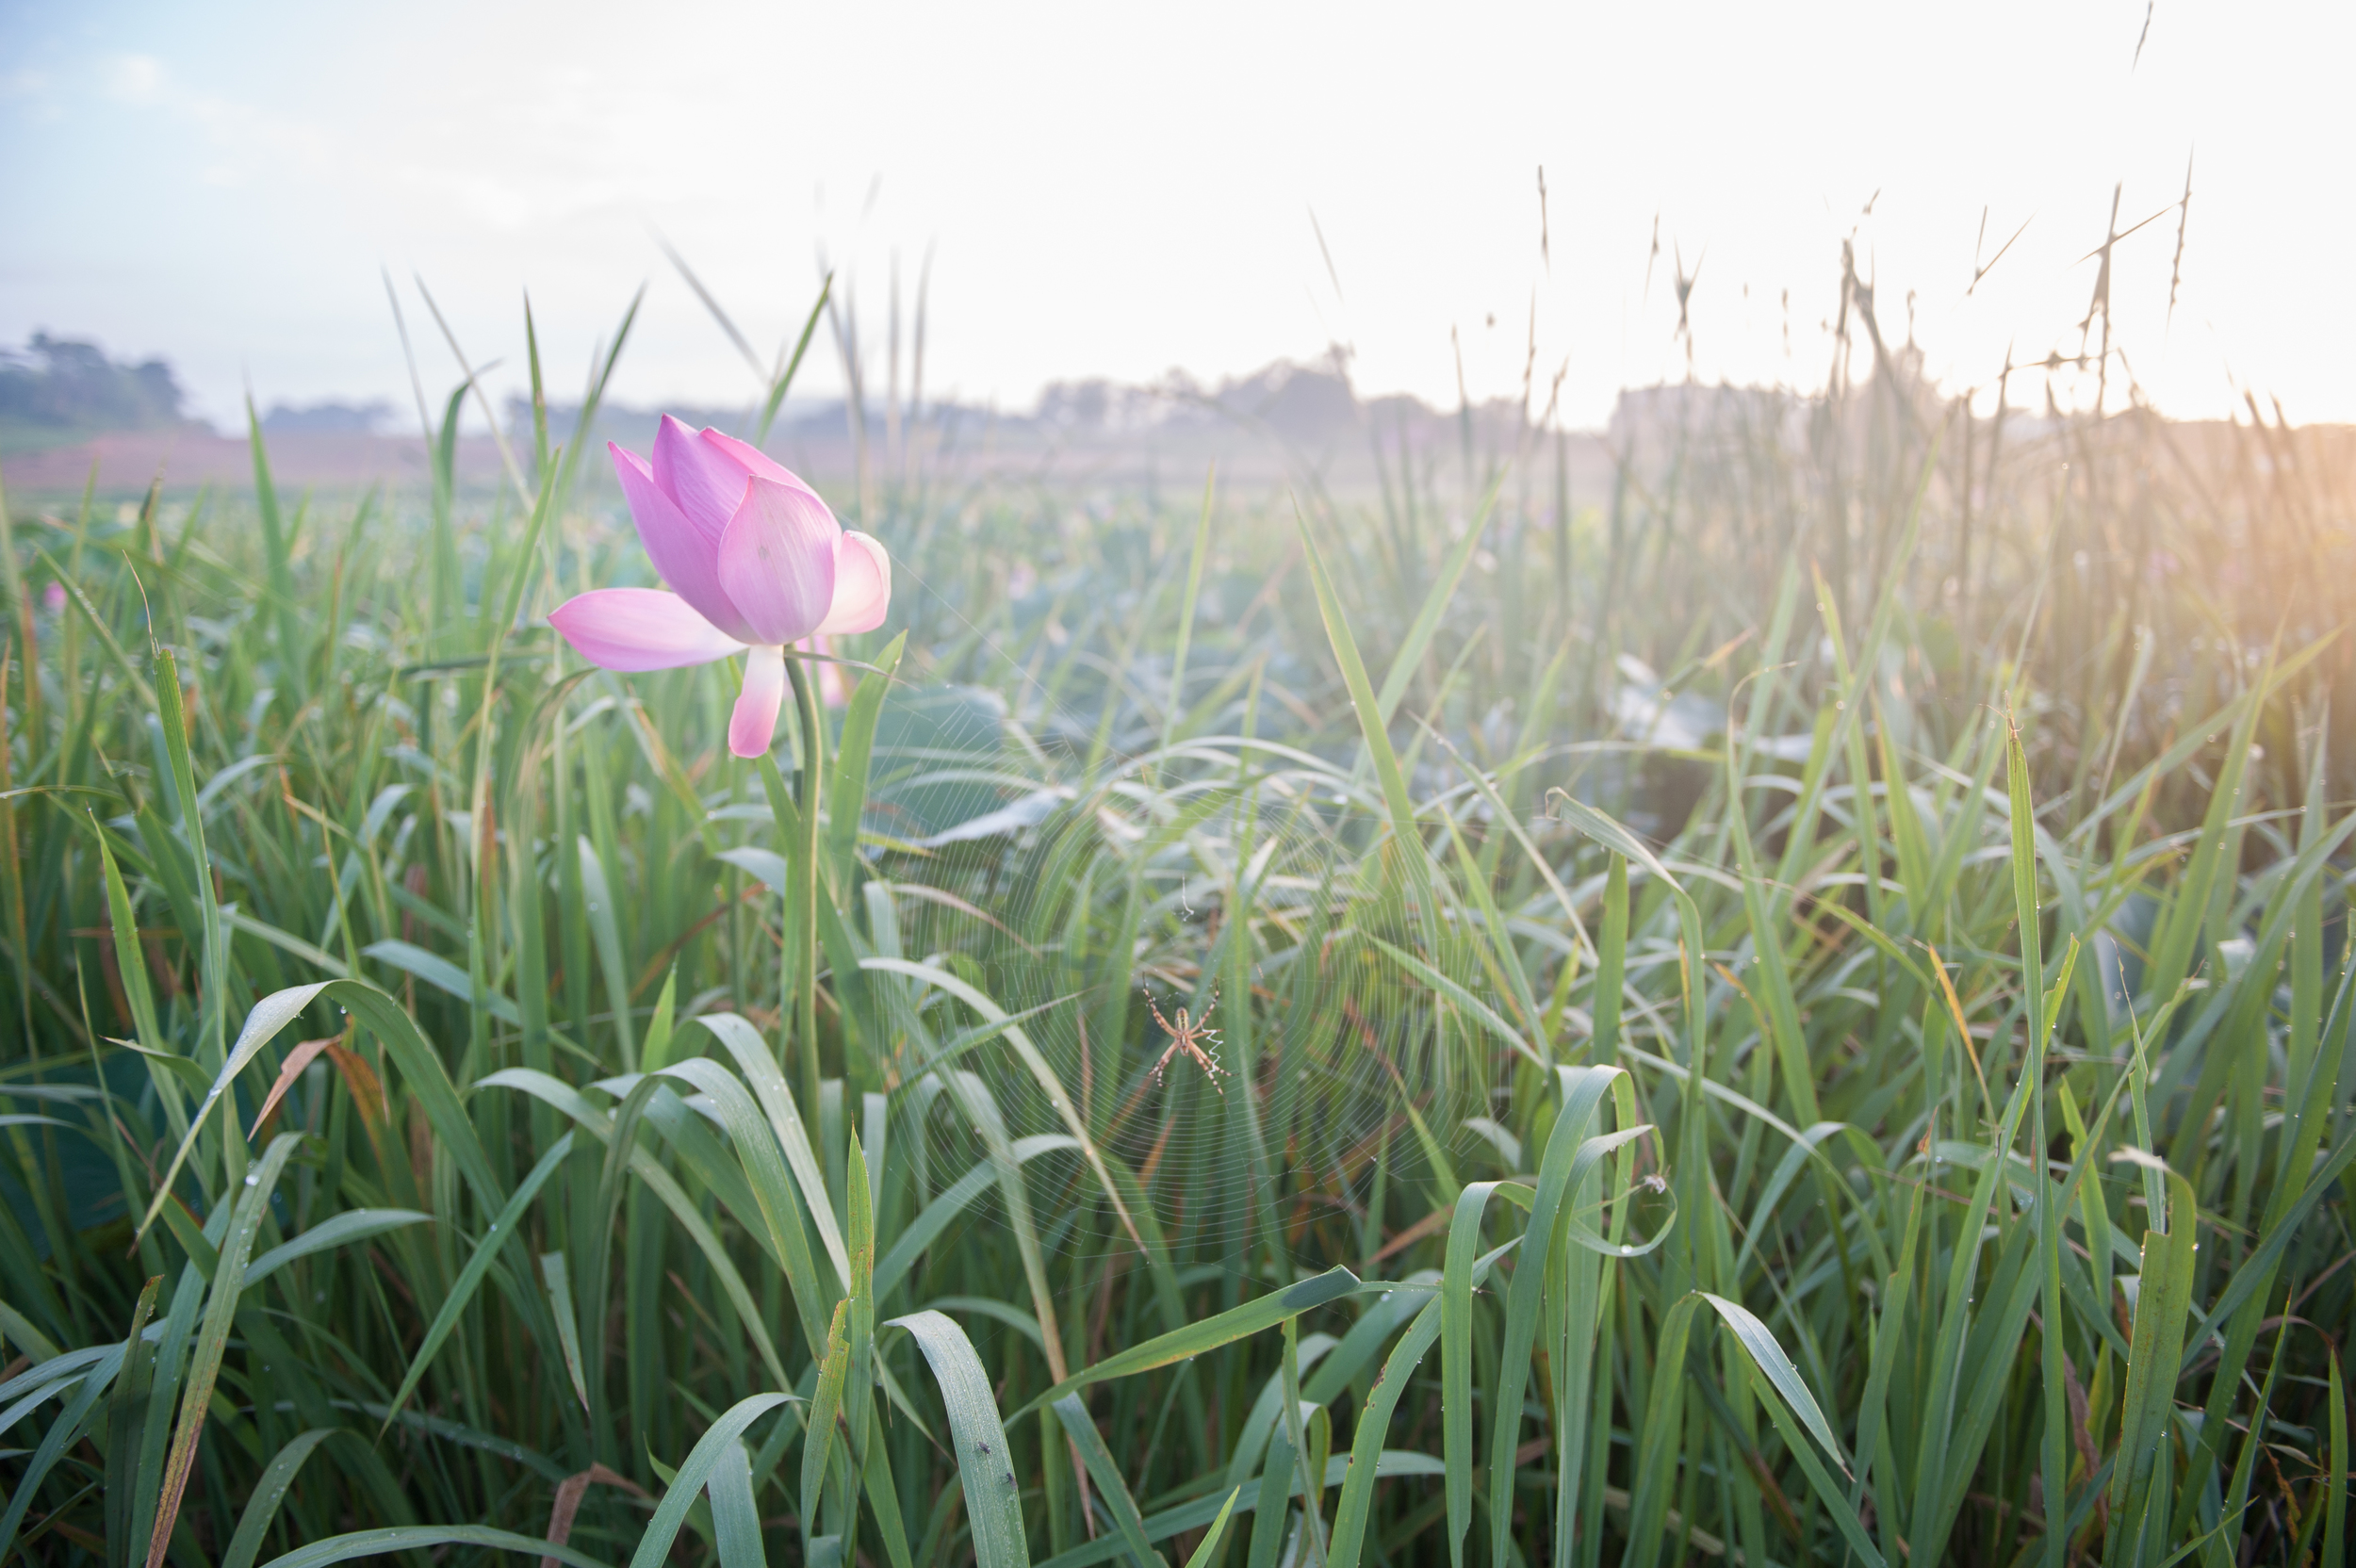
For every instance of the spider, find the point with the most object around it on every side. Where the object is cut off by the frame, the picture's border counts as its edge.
(1190, 1036)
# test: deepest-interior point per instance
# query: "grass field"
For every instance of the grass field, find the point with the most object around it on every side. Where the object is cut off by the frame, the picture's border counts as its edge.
(1798, 1013)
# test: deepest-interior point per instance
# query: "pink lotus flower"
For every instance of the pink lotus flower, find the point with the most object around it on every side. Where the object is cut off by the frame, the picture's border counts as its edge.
(755, 562)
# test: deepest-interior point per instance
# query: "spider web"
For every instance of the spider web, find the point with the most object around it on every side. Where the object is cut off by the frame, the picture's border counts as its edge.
(1030, 892)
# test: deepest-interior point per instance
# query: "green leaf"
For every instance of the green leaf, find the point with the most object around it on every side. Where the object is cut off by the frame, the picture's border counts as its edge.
(212, 1340)
(338, 1231)
(262, 1506)
(1372, 721)
(1570, 1154)
(825, 1411)
(61, 1435)
(560, 1288)
(1455, 1329)
(502, 1230)
(703, 1462)
(418, 1538)
(2335, 1501)
(858, 745)
(1028, 1053)
(1419, 631)
(608, 934)
(759, 1068)
(443, 975)
(993, 1498)
(1176, 702)
(421, 1066)
(1081, 1428)
(1202, 1511)
(2147, 1412)
(1786, 1396)
(735, 1516)
(1209, 1547)
(1660, 1440)
(1356, 1506)
(1209, 1335)
(756, 1145)
(684, 1210)
(127, 1412)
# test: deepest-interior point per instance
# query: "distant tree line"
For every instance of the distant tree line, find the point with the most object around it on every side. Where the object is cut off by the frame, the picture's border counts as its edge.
(65, 385)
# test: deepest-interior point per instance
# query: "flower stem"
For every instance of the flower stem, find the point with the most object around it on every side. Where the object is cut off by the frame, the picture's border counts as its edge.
(806, 893)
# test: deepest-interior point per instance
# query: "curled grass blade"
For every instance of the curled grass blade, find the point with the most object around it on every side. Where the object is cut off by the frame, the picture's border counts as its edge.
(703, 1462)
(993, 1498)
(262, 1506)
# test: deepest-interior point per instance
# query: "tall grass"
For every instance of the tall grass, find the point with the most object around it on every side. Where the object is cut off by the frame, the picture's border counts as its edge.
(1902, 1116)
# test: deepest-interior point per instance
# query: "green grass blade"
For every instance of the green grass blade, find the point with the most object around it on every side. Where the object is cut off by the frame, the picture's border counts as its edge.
(756, 1145)
(683, 1209)
(340, 1231)
(262, 1506)
(855, 756)
(425, 1538)
(557, 1279)
(826, 1414)
(1362, 699)
(1176, 704)
(1436, 599)
(783, 380)
(2335, 1500)
(1660, 1440)
(1455, 1330)
(1356, 1504)
(704, 1463)
(735, 1517)
(604, 929)
(993, 1498)
(2149, 1403)
(212, 1340)
(1570, 1153)
(753, 1059)
(502, 1230)
(1207, 1551)
(127, 1409)
(1028, 1053)
(1081, 1428)
(61, 1434)
(1220, 1328)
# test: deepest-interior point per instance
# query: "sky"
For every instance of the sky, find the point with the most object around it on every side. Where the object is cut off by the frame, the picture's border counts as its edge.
(1120, 190)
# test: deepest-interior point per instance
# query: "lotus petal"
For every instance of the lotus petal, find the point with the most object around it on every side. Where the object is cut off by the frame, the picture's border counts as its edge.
(755, 720)
(863, 585)
(639, 628)
(756, 463)
(706, 482)
(687, 557)
(777, 561)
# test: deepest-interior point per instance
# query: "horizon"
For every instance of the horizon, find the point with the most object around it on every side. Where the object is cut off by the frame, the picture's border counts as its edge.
(561, 163)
